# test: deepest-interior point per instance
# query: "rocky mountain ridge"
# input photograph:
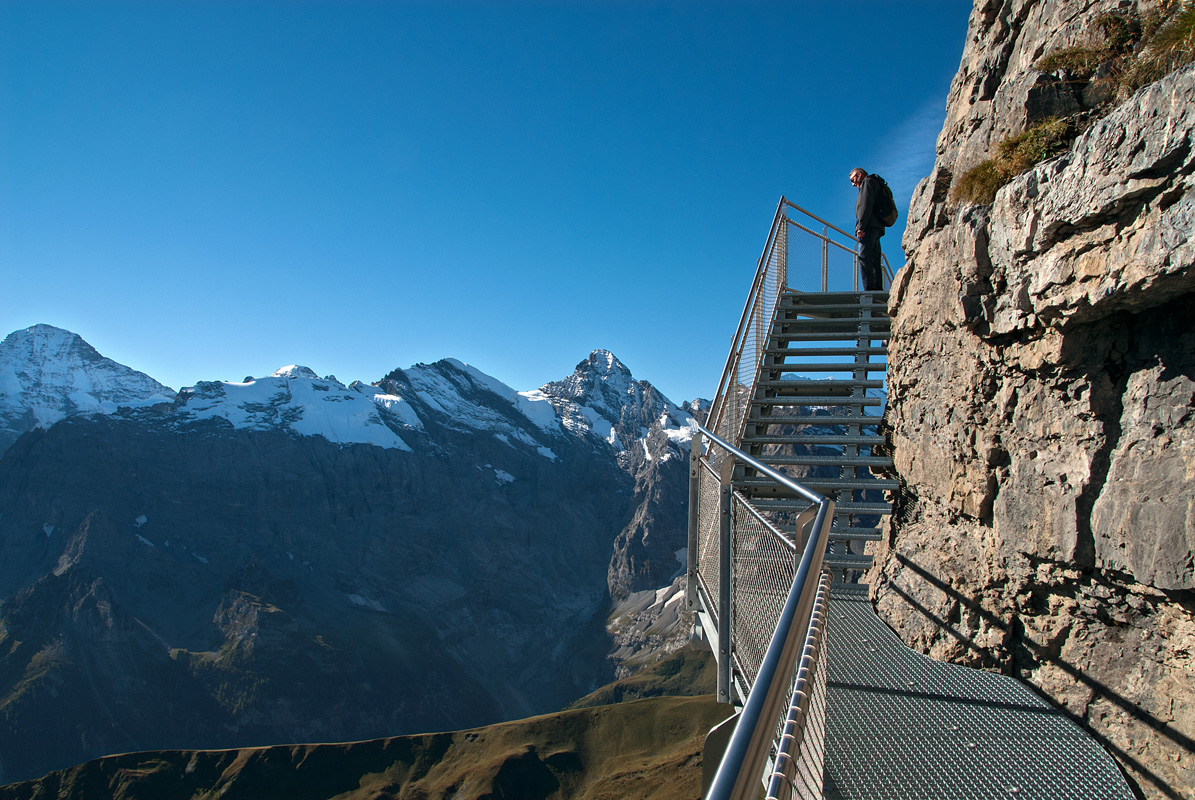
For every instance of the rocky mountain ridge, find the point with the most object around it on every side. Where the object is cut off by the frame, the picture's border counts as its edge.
(1042, 351)
(48, 374)
(292, 559)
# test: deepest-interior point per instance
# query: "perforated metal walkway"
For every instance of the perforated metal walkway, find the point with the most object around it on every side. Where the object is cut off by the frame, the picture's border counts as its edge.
(901, 725)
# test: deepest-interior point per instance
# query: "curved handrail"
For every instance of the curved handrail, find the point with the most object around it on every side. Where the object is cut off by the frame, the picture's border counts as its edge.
(742, 765)
(764, 469)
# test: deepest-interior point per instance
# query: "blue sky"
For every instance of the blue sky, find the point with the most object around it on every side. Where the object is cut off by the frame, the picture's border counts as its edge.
(212, 190)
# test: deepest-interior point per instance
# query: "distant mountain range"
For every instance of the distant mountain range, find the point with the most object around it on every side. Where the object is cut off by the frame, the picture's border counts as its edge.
(292, 559)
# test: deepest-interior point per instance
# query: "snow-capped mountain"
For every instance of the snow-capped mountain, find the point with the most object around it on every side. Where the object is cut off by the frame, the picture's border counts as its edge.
(48, 374)
(600, 402)
(293, 558)
(297, 400)
(602, 399)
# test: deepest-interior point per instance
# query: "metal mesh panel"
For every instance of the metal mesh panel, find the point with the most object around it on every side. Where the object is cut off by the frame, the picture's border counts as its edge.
(764, 566)
(801, 744)
(708, 487)
(735, 402)
(977, 734)
(732, 405)
(759, 328)
(807, 252)
(822, 257)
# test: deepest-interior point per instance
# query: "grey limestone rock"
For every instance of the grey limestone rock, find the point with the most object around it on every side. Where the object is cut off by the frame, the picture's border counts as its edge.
(1042, 392)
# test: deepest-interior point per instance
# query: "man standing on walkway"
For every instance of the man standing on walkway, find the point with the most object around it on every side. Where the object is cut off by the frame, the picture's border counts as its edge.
(868, 228)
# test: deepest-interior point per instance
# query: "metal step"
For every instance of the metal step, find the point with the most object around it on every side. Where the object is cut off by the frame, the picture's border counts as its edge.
(812, 419)
(847, 561)
(860, 508)
(830, 324)
(824, 366)
(837, 534)
(828, 386)
(829, 485)
(826, 351)
(830, 439)
(813, 298)
(822, 400)
(835, 312)
(829, 461)
(793, 504)
(826, 336)
(865, 534)
(762, 491)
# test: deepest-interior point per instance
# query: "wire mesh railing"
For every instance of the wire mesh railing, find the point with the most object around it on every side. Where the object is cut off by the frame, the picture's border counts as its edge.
(708, 492)
(764, 562)
(801, 246)
(742, 365)
(797, 770)
(761, 608)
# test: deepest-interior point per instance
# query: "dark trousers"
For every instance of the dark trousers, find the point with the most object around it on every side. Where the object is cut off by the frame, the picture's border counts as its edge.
(869, 260)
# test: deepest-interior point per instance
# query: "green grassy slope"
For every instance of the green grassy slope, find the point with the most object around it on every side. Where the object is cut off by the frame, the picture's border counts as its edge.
(644, 748)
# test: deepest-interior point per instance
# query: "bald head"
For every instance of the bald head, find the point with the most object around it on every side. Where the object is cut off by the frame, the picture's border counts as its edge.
(857, 176)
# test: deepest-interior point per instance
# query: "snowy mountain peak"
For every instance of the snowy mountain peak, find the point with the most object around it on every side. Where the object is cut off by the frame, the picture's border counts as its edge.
(600, 380)
(44, 347)
(47, 374)
(605, 363)
(602, 396)
(294, 371)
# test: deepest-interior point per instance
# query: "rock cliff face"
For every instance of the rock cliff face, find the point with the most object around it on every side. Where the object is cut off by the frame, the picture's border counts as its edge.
(1043, 351)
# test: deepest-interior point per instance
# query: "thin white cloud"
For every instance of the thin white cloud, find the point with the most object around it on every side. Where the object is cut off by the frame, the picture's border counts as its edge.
(911, 148)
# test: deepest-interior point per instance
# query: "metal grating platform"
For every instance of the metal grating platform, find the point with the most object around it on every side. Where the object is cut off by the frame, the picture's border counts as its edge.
(902, 725)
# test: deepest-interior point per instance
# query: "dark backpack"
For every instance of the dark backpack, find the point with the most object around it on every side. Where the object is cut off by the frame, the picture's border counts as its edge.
(885, 206)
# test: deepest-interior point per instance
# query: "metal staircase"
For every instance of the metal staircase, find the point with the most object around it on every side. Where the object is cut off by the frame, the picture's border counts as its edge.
(815, 411)
(784, 499)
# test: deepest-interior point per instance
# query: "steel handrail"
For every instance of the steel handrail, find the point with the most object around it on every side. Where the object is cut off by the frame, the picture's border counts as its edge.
(747, 753)
(826, 239)
(719, 403)
(786, 201)
(888, 273)
(718, 407)
(762, 468)
(789, 751)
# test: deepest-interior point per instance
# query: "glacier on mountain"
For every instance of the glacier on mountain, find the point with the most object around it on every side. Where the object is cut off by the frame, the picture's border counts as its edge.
(296, 399)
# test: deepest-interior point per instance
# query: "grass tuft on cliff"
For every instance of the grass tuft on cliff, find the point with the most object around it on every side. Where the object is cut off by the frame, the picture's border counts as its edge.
(1014, 155)
(1171, 46)
(1126, 51)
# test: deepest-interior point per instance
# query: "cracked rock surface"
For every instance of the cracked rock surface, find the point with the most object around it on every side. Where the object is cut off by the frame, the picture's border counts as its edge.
(1042, 404)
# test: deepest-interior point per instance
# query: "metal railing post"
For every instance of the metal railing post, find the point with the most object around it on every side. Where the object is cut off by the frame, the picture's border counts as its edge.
(855, 276)
(825, 258)
(739, 774)
(724, 580)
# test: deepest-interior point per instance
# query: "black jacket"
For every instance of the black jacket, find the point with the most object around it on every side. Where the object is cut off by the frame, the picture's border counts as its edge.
(869, 196)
